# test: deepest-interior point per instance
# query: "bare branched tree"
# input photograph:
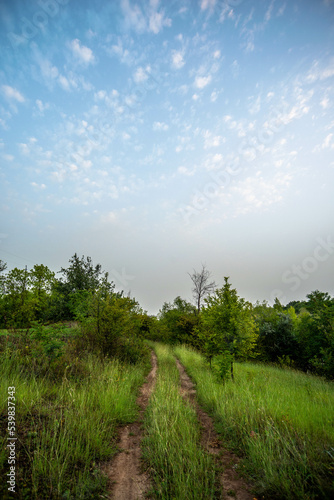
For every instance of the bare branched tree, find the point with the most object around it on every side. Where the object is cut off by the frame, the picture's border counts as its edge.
(3, 265)
(202, 285)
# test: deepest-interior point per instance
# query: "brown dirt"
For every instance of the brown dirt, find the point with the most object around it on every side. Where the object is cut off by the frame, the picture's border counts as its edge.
(233, 486)
(125, 478)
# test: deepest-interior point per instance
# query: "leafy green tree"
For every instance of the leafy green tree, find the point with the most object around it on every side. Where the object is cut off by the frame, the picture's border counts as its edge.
(228, 327)
(18, 309)
(315, 333)
(277, 332)
(79, 281)
(178, 322)
(41, 281)
(81, 274)
(113, 327)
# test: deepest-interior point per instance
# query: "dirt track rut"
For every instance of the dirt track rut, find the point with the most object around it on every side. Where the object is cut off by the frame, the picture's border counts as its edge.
(233, 487)
(126, 480)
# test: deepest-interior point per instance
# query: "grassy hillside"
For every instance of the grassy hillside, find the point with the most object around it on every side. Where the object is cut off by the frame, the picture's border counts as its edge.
(281, 421)
(67, 410)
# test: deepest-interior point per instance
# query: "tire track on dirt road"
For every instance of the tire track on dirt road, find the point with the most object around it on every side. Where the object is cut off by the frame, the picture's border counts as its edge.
(233, 487)
(125, 478)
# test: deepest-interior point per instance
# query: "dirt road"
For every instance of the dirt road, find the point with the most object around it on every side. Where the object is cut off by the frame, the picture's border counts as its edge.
(233, 487)
(126, 480)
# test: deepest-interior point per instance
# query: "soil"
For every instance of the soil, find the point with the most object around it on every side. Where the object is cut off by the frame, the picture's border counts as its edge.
(125, 478)
(233, 486)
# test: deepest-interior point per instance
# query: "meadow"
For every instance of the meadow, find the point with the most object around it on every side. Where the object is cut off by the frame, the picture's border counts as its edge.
(68, 409)
(70, 403)
(281, 422)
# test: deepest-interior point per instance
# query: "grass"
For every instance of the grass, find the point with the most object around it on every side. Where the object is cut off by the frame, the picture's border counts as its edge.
(180, 469)
(281, 421)
(65, 425)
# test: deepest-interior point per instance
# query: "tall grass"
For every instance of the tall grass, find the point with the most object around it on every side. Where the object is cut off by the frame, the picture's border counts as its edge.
(180, 468)
(280, 420)
(65, 427)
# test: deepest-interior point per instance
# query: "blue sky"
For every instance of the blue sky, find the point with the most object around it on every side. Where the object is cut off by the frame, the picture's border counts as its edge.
(155, 136)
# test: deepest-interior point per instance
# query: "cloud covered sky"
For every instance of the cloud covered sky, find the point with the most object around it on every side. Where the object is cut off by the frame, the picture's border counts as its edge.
(155, 136)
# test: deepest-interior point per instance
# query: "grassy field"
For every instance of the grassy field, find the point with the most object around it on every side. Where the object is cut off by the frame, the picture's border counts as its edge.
(280, 421)
(66, 419)
(180, 468)
(68, 406)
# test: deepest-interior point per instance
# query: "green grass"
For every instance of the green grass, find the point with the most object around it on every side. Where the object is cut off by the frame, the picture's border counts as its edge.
(65, 426)
(180, 469)
(281, 421)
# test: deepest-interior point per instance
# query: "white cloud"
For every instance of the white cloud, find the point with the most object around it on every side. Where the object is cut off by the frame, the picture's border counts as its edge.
(212, 141)
(268, 13)
(140, 75)
(8, 157)
(41, 106)
(202, 81)
(281, 10)
(12, 93)
(64, 83)
(151, 21)
(324, 103)
(208, 4)
(317, 73)
(213, 96)
(157, 21)
(160, 126)
(185, 171)
(328, 143)
(255, 105)
(24, 148)
(177, 59)
(256, 193)
(134, 17)
(38, 186)
(83, 54)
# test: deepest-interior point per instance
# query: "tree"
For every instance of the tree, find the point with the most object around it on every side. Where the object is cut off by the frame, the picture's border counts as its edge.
(113, 327)
(3, 267)
(18, 310)
(81, 274)
(178, 321)
(41, 281)
(202, 285)
(228, 326)
(315, 334)
(80, 280)
(277, 332)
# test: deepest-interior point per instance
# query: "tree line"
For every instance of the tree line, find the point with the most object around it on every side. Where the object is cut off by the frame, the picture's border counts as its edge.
(226, 327)
(110, 323)
(219, 323)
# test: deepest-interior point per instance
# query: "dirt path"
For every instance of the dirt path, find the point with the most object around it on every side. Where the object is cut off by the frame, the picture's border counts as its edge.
(233, 487)
(126, 481)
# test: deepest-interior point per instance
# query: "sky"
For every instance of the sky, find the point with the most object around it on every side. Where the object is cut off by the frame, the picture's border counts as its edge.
(156, 136)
